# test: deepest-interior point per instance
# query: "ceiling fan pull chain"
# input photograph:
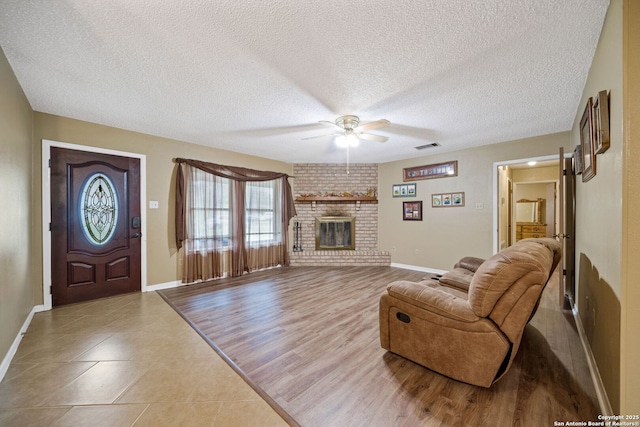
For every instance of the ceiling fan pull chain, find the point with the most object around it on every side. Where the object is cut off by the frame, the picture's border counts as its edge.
(347, 160)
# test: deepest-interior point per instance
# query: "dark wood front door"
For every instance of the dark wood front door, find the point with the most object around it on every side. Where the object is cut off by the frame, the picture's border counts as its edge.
(95, 225)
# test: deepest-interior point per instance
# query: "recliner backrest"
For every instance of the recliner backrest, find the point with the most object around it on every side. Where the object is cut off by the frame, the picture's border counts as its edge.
(503, 279)
(553, 245)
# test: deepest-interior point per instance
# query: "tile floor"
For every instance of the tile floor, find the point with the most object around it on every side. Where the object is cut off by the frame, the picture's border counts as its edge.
(125, 361)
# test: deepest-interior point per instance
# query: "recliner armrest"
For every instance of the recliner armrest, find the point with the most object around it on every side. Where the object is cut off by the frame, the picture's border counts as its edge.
(459, 278)
(470, 263)
(432, 299)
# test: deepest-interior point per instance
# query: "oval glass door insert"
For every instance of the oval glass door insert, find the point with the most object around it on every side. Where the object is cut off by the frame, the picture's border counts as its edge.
(98, 209)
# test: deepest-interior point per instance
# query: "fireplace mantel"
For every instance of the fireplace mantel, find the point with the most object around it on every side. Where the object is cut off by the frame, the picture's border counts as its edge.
(336, 199)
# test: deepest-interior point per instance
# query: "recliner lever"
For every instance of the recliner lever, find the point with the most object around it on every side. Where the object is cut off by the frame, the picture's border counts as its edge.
(403, 317)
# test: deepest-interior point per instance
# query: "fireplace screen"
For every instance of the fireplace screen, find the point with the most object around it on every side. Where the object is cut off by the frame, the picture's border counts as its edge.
(335, 232)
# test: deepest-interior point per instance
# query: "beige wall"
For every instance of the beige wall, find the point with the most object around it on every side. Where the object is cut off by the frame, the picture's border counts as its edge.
(536, 174)
(16, 252)
(530, 191)
(161, 249)
(447, 234)
(599, 213)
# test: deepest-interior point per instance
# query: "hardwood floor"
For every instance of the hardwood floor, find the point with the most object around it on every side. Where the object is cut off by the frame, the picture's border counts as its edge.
(307, 337)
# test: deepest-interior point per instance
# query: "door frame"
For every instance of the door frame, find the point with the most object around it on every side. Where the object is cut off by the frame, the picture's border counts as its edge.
(496, 206)
(46, 211)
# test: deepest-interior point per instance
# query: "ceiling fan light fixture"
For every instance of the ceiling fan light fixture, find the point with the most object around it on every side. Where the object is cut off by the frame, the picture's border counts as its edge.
(341, 141)
(348, 139)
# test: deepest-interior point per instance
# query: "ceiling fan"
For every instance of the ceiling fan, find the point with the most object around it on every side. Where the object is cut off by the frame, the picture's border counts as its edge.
(351, 131)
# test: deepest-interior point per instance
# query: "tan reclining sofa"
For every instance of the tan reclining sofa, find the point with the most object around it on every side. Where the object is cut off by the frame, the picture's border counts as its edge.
(471, 335)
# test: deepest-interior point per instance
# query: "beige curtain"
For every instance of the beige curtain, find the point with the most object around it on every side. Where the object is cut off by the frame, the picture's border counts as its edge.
(206, 253)
(226, 229)
(264, 226)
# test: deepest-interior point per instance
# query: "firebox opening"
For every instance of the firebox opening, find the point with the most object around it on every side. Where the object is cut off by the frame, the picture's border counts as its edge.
(335, 233)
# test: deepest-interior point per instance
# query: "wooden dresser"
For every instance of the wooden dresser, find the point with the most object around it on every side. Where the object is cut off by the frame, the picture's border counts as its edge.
(525, 230)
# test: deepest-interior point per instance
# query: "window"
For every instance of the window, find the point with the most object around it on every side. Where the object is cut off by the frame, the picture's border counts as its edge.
(209, 210)
(211, 215)
(98, 209)
(261, 207)
(230, 220)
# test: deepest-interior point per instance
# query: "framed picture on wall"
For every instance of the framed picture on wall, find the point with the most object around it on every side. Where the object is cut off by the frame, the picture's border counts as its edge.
(577, 160)
(404, 190)
(445, 200)
(438, 170)
(601, 123)
(457, 199)
(412, 211)
(586, 142)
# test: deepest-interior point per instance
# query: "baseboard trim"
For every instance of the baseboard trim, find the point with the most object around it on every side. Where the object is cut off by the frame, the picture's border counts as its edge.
(6, 361)
(418, 268)
(161, 286)
(601, 392)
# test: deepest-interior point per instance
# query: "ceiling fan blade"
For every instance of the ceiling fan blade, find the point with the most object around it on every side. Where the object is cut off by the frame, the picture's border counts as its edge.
(413, 132)
(326, 135)
(328, 123)
(374, 125)
(372, 137)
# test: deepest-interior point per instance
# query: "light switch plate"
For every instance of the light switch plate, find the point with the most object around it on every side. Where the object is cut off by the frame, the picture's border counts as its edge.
(153, 204)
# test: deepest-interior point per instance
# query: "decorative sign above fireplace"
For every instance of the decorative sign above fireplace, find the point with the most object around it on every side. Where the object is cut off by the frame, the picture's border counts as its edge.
(335, 233)
(439, 170)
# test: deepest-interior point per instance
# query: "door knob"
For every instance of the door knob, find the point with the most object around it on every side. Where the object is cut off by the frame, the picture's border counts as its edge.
(137, 235)
(562, 236)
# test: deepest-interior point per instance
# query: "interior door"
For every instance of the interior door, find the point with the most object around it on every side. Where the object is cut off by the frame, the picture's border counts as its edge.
(510, 213)
(566, 232)
(95, 225)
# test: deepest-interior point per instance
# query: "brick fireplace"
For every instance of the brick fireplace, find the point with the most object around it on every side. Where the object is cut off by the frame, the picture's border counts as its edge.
(332, 179)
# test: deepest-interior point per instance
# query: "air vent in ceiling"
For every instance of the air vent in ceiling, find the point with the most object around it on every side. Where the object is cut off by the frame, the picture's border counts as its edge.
(424, 147)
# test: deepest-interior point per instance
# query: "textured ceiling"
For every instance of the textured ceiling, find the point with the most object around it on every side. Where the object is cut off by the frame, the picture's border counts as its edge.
(256, 76)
